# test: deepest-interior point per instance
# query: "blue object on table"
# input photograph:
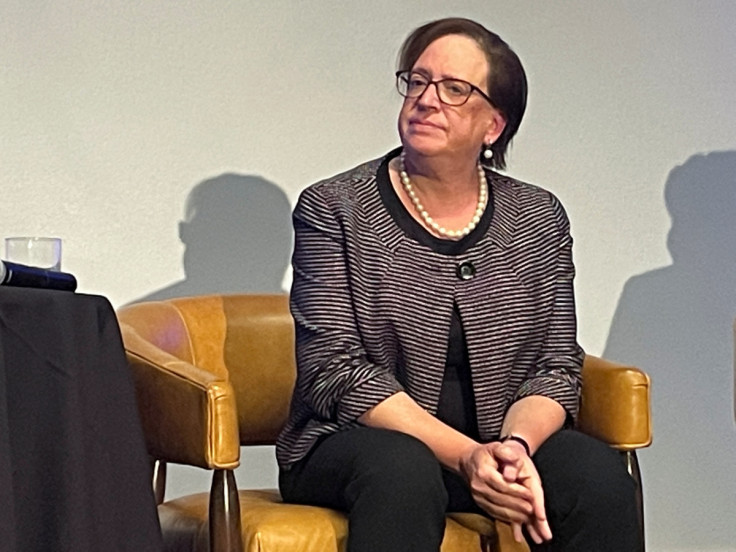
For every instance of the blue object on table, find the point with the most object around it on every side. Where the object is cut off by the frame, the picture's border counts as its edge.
(19, 275)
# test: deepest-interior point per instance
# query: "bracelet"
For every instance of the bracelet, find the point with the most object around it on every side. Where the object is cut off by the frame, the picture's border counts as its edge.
(519, 440)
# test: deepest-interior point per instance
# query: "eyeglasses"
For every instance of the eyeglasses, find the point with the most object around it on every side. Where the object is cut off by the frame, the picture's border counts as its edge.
(453, 92)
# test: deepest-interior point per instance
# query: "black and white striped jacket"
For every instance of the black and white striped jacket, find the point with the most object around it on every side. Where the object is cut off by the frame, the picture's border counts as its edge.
(373, 307)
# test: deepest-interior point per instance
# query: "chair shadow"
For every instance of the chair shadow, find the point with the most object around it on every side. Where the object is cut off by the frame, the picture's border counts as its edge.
(675, 322)
(237, 237)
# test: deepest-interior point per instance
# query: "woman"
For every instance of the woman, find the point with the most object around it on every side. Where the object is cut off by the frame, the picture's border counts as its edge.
(438, 367)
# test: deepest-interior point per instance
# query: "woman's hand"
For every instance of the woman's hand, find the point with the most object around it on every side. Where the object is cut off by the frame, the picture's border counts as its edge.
(505, 483)
(515, 465)
(533, 418)
(503, 498)
(502, 478)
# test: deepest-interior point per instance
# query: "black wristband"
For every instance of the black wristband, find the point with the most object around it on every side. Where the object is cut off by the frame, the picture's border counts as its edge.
(519, 440)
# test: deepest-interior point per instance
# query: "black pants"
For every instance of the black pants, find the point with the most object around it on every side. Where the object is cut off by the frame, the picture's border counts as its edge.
(396, 494)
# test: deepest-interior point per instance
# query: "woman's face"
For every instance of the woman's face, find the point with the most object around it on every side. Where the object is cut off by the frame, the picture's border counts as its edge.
(427, 126)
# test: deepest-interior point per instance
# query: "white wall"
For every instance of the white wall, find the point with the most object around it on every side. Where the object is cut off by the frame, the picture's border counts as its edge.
(113, 111)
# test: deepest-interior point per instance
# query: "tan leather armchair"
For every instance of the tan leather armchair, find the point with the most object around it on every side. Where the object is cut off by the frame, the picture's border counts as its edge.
(215, 373)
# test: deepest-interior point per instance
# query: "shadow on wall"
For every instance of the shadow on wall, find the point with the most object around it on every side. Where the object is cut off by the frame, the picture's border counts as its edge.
(237, 237)
(676, 323)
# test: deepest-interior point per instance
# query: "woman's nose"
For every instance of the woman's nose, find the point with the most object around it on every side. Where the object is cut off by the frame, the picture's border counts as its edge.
(430, 96)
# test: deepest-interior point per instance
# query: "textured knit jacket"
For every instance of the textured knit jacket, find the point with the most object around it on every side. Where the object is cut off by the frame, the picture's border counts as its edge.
(373, 307)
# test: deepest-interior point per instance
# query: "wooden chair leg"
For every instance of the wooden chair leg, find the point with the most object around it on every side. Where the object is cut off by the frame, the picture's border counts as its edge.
(225, 531)
(159, 480)
(632, 465)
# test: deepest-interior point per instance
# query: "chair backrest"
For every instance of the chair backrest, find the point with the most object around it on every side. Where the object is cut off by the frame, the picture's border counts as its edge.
(249, 339)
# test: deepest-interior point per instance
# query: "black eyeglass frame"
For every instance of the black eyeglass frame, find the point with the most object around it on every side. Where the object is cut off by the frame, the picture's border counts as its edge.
(473, 88)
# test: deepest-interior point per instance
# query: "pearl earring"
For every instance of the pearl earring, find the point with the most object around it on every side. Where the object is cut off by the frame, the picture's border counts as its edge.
(488, 152)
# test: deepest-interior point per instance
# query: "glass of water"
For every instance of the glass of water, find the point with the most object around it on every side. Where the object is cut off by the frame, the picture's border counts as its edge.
(40, 252)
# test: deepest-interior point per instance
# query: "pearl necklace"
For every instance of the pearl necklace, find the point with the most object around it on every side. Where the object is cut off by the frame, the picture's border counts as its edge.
(433, 224)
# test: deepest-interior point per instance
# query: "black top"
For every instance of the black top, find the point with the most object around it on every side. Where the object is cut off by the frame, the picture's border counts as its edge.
(456, 405)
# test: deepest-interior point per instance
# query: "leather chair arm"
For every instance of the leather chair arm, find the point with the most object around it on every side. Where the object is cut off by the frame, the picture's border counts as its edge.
(615, 404)
(189, 415)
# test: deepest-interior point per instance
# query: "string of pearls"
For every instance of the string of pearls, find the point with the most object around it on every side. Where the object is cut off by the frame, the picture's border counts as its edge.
(433, 224)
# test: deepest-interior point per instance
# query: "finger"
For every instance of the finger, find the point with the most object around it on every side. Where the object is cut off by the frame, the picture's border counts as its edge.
(506, 507)
(534, 534)
(510, 472)
(512, 496)
(505, 454)
(540, 523)
(518, 534)
(503, 514)
(535, 486)
(509, 461)
(497, 482)
(542, 528)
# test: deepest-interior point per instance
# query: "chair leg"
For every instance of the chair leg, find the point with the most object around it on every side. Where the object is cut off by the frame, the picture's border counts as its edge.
(159, 480)
(225, 531)
(632, 466)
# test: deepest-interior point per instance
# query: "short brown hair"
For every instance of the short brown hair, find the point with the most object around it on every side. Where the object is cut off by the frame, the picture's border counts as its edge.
(507, 85)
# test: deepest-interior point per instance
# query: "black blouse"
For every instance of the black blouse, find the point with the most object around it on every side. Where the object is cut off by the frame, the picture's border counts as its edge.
(456, 405)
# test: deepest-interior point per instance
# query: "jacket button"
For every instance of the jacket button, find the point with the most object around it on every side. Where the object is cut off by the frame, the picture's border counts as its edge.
(465, 270)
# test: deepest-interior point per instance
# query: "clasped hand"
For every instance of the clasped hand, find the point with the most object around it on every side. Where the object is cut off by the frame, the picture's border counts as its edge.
(504, 482)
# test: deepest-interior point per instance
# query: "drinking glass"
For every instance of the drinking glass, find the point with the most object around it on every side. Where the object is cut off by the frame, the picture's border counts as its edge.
(41, 252)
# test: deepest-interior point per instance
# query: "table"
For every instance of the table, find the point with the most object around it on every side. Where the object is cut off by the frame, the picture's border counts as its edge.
(74, 474)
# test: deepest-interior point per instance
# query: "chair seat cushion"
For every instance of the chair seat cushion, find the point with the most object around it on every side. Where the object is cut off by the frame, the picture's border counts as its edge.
(269, 525)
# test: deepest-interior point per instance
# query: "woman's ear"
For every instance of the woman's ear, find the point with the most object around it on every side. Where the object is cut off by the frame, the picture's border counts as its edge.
(495, 128)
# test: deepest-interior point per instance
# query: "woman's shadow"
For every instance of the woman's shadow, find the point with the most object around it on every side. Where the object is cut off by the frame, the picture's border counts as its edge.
(237, 237)
(676, 323)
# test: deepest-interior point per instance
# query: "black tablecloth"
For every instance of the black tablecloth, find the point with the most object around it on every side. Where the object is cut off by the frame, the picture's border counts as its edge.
(74, 474)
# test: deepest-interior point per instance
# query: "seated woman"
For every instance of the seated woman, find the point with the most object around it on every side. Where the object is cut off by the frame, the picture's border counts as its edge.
(438, 366)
